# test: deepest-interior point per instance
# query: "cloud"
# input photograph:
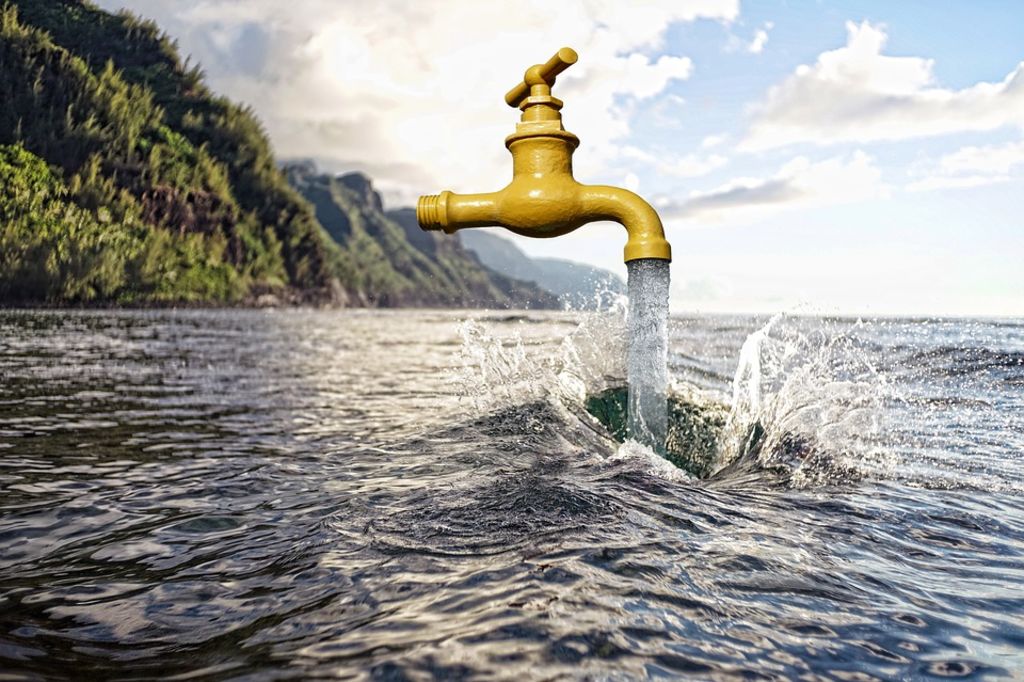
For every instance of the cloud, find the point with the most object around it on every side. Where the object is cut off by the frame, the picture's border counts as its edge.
(857, 94)
(937, 182)
(756, 45)
(414, 91)
(711, 141)
(666, 112)
(799, 183)
(972, 167)
(689, 166)
(990, 159)
(741, 194)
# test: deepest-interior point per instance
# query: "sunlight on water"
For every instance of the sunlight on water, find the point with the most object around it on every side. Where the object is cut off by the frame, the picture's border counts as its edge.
(647, 336)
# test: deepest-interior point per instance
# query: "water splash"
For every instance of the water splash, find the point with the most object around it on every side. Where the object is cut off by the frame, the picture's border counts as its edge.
(807, 399)
(492, 370)
(496, 370)
(646, 362)
(811, 401)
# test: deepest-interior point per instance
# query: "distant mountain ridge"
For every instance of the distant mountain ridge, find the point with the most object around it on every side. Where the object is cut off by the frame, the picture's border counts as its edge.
(578, 286)
(395, 263)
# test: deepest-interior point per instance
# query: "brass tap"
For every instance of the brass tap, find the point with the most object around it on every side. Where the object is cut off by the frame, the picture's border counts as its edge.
(543, 199)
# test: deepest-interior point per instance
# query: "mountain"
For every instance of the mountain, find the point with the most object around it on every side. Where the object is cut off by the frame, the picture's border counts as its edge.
(392, 262)
(578, 286)
(124, 179)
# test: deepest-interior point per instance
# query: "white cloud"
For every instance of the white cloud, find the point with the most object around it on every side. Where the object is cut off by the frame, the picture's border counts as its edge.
(413, 92)
(689, 166)
(990, 159)
(712, 141)
(756, 45)
(631, 182)
(800, 183)
(971, 166)
(857, 94)
(667, 111)
(937, 182)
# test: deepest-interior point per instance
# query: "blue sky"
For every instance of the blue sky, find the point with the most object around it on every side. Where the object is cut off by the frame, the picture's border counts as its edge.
(847, 157)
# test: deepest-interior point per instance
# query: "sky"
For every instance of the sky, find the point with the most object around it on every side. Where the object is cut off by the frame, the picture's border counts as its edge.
(827, 157)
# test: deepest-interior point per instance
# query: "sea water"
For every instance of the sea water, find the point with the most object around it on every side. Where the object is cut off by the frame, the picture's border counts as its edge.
(286, 494)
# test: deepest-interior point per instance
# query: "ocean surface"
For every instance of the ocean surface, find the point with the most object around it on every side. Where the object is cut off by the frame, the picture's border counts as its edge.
(291, 494)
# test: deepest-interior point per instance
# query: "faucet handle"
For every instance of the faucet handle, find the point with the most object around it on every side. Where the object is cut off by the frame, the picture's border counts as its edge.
(541, 74)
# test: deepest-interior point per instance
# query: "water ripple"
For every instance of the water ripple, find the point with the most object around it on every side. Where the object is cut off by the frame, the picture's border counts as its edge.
(299, 494)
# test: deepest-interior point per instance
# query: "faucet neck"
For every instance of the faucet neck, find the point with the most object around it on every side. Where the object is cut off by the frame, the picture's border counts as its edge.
(540, 155)
(540, 134)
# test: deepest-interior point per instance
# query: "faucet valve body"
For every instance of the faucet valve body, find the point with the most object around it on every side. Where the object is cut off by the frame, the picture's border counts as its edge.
(544, 199)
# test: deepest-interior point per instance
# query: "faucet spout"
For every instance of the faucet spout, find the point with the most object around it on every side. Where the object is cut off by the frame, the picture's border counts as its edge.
(544, 199)
(645, 234)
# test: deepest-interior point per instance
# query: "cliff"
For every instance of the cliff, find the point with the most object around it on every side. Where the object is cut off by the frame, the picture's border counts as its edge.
(177, 187)
(392, 262)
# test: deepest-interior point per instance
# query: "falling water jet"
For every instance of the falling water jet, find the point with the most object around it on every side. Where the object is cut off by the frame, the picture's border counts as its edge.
(647, 355)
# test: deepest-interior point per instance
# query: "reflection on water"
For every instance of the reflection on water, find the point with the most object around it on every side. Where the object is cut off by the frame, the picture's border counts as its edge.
(258, 495)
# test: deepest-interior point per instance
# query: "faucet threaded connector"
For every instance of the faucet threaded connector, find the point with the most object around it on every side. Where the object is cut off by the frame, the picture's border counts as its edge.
(430, 212)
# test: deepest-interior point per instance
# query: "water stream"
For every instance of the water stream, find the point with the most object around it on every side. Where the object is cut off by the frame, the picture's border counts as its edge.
(647, 334)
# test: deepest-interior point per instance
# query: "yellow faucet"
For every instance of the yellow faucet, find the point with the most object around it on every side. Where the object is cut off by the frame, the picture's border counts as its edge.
(543, 199)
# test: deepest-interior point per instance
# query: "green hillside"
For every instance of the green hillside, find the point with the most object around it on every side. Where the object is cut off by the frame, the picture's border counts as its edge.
(126, 180)
(186, 180)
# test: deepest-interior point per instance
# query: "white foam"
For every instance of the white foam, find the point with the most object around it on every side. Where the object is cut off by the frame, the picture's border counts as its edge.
(648, 461)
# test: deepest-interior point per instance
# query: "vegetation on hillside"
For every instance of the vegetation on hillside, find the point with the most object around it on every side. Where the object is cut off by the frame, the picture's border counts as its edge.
(53, 250)
(139, 142)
